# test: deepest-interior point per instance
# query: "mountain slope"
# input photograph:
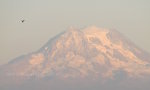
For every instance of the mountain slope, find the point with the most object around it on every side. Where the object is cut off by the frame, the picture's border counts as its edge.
(91, 55)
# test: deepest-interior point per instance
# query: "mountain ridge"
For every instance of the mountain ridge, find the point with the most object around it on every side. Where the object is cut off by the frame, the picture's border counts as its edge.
(89, 54)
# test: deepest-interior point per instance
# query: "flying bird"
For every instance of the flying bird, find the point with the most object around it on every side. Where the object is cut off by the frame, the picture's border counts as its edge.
(22, 21)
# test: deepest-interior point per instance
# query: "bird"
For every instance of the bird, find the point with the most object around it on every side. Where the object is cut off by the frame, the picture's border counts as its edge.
(22, 21)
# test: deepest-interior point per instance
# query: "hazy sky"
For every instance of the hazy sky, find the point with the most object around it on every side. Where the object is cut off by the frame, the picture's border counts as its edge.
(46, 18)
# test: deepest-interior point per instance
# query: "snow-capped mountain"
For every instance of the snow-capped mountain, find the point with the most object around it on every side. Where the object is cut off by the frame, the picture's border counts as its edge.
(91, 54)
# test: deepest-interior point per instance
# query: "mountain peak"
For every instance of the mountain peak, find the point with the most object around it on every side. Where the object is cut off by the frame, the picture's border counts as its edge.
(73, 29)
(87, 29)
(95, 29)
(92, 53)
(77, 52)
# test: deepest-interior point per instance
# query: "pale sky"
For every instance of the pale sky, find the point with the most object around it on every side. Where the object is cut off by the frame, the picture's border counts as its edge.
(46, 18)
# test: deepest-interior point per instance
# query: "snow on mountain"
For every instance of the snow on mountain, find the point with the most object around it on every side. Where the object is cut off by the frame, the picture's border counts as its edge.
(88, 53)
